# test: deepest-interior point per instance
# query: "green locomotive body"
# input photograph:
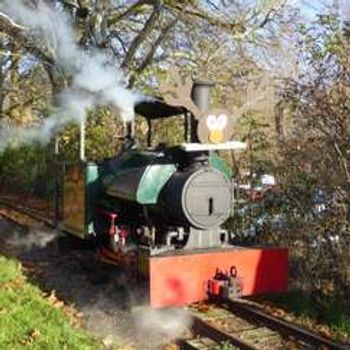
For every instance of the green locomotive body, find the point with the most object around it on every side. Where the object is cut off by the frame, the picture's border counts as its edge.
(165, 190)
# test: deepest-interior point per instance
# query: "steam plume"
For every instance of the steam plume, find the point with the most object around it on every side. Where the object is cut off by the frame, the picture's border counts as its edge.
(94, 78)
(163, 326)
(34, 238)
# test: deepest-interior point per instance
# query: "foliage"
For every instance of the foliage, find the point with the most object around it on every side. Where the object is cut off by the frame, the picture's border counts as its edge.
(25, 169)
(226, 346)
(318, 159)
(312, 162)
(30, 321)
(103, 133)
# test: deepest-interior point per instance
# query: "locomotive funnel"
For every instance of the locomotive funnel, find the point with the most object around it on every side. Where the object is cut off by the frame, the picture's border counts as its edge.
(201, 94)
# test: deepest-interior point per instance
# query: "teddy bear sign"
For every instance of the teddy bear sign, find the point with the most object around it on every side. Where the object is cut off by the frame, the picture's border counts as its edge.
(215, 126)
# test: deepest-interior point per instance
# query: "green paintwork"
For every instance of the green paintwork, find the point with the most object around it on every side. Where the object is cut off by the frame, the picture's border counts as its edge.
(92, 190)
(134, 159)
(150, 174)
(138, 176)
(153, 180)
(221, 165)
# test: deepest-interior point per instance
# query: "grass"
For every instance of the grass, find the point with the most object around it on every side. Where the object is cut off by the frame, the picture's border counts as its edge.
(324, 309)
(29, 320)
(226, 346)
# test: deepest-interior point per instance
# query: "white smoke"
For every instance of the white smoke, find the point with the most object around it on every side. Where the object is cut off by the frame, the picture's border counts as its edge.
(35, 237)
(94, 78)
(162, 325)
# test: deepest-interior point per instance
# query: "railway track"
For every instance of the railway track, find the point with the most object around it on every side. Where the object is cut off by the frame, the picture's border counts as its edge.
(240, 325)
(233, 324)
(30, 212)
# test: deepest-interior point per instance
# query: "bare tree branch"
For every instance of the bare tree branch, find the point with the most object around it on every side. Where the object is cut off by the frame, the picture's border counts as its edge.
(143, 34)
(129, 11)
(20, 35)
(11, 22)
(239, 28)
(150, 55)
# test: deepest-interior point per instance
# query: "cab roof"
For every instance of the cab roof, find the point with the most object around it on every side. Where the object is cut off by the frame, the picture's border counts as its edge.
(154, 108)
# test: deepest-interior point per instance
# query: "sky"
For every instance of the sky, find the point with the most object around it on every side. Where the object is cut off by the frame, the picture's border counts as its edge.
(310, 8)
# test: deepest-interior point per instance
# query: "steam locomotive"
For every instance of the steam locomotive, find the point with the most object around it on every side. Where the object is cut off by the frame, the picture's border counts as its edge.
(161, 197)
(156, 212)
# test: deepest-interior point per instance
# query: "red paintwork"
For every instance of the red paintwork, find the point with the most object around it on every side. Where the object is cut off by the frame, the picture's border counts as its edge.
(183, 279)
(214, 287)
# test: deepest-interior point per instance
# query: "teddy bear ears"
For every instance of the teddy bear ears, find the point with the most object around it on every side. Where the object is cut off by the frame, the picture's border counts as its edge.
(215, 126)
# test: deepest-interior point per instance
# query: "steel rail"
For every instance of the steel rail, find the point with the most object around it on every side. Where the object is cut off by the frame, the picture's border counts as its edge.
(32, 213)
(283, 327)
(208, 330)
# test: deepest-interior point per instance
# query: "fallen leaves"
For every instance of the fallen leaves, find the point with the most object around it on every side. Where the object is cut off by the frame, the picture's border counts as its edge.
(201, 307)
(32, 335)
(20, 218)
(324, 330)
(39, 204)
(15, 284)
(108, 341)
(305, 321)
(76, 318)
(171, 346)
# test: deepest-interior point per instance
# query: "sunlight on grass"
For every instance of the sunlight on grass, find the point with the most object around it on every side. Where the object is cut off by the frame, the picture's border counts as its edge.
(29, 321)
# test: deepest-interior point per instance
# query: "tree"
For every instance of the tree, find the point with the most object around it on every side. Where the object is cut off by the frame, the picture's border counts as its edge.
(313, 159)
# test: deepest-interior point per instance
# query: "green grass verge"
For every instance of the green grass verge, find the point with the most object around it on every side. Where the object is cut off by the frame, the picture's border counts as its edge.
(29, 321)
(324, 310)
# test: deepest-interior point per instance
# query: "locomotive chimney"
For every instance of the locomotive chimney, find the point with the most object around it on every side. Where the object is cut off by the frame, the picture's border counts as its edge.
(201, 95)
